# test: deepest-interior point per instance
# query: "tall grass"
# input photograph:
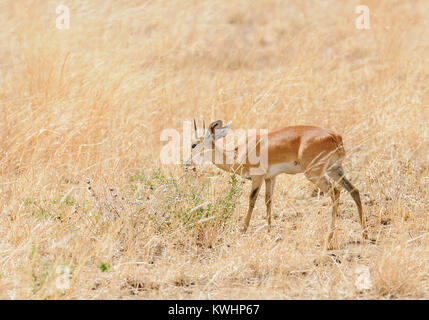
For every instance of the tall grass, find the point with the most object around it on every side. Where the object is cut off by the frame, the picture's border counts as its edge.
(82, 188)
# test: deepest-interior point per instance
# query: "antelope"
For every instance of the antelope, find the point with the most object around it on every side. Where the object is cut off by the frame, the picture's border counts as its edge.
(314, 151)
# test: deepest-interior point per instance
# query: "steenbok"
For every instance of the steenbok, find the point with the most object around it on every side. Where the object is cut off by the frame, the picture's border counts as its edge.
(311, 150)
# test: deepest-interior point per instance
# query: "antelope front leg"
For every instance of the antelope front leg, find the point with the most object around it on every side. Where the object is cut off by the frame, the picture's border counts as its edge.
(256, 186)
(269, 189)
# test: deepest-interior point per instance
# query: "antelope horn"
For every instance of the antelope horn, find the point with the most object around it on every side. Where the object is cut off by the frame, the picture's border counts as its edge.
(195, 128)
(204, 127)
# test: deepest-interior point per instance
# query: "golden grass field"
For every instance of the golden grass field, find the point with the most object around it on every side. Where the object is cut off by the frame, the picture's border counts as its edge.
(90, 102)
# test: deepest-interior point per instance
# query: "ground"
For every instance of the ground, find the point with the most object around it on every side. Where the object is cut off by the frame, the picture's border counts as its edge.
(88, 210)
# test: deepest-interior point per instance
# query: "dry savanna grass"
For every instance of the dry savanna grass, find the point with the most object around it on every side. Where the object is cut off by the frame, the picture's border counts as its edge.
(87, 209)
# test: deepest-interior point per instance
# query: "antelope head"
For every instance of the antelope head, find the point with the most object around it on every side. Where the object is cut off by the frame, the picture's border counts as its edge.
(205, 141)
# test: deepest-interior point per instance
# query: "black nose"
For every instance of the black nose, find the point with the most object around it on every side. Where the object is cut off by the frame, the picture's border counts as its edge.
(194, 145)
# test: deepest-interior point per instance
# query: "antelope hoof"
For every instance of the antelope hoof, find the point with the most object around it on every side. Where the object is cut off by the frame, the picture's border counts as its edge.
(332, 243)
(365, 238)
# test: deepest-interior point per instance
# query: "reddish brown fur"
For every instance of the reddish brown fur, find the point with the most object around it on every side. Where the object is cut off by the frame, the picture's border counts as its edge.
(311, 150)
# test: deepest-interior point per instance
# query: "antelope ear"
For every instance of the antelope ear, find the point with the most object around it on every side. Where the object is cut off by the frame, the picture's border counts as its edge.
(215, 126)
(222, 131)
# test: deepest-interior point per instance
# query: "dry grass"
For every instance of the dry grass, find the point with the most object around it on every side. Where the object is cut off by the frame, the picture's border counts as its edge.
(90, 103)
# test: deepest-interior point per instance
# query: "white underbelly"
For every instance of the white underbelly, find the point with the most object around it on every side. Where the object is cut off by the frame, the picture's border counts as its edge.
(285, 167)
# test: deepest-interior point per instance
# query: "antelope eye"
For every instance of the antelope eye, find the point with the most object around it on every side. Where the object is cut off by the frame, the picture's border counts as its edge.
(194, 145)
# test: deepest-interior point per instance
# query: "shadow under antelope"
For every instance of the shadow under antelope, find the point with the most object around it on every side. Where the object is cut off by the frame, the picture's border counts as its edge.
(314, 151)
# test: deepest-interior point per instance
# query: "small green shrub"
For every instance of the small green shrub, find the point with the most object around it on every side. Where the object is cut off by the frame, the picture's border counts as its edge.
(187, 199)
